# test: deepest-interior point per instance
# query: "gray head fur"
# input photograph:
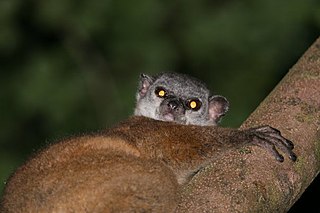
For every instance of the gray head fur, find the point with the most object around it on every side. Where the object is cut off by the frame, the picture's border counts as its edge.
(179, 98)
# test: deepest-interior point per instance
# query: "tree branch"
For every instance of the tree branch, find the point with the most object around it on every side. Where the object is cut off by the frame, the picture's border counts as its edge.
(249, 179)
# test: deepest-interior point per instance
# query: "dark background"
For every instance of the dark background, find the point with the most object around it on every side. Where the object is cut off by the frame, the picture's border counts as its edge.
(70, 66)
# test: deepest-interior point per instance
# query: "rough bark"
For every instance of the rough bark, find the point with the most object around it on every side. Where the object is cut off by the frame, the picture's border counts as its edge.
(249, 179)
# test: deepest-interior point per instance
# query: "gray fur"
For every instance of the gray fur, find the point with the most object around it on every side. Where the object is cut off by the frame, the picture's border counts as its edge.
(180, 88)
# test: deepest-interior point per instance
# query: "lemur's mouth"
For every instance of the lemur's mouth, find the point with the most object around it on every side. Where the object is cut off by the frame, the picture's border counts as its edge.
(168, 117)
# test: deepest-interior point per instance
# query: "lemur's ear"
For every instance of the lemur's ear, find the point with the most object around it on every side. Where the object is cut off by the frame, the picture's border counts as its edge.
(218, 106)
(144, 84)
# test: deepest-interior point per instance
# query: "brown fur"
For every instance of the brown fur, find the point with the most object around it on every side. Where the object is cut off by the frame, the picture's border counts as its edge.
(133, 167)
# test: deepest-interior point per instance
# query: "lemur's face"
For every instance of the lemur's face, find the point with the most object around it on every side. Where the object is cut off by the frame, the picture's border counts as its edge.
(178, 98)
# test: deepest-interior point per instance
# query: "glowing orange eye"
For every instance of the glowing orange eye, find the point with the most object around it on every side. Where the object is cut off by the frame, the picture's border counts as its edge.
(194, 104)
(160, 92)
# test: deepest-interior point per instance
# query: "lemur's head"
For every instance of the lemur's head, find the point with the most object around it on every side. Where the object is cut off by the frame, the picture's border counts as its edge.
(179, 98)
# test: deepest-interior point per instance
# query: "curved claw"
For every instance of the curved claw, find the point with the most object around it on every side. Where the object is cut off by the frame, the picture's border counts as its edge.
(293, 157)
(280, 158)
(290, 144)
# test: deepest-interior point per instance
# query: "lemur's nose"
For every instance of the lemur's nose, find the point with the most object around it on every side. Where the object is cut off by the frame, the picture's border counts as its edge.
(173, 104)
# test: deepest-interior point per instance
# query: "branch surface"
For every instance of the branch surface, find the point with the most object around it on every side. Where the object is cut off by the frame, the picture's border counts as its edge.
(249, 179)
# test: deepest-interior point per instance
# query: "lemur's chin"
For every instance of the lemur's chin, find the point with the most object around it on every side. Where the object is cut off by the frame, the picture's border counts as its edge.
(168, 117)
